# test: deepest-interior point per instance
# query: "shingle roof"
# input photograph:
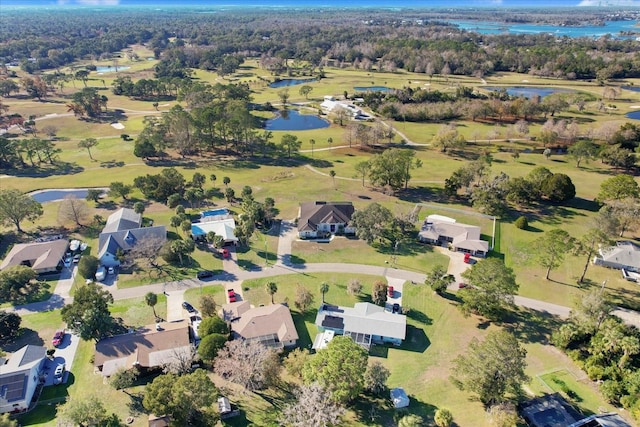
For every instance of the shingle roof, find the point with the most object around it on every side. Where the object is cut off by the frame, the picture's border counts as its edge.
(127, 239)
(40, 256)
(365, 318)
(24, 358)
(624, 253)
(267, 320)
(314, 213)
(123, 219)
(464, 236)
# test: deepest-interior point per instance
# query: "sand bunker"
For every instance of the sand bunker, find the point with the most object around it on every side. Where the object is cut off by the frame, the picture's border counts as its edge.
(117, 125)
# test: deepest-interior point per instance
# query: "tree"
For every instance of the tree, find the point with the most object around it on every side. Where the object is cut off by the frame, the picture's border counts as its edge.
(88, 143)
(151, 299)
(617, 188)
(9, 326)
(213, 325)
(332, 174)
(182, 248)
(198, 180)
(304, 298)
(313, 407)
(619, 216)
(16, 282)
(375, 377)
(119, 189)
(588, 245)
(443, 417)
(339, 368)
(583, 150)
(271, 289)
(295, 361)
(372, 222)
(324, 288)
(491, 290)
(550, 249)
(411, 420)
(15, 207)
(207, 306)
(491, 368)
(447, 138)
(591, 310)
(392, 168)
(6, 421)
(290, 144)
(558, 188)
(73, 209)
(84, 411)
(89, 314)
(247, 363)
(210, 345)
(226, 181)
(87, 266)
(305, 90)
(188, 399)
(123, 378)
(138, 207)
(93, 195)
(379, 293)
(362, 168)
(438, 279)
(354, 287)
(283, 94)
(504, 415)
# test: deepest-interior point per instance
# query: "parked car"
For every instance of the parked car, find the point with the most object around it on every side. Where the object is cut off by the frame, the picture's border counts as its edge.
(467, 259)
(58, 374)
(232, 295)
(396, 308)
(57, 338)
(203, 274)
(101, 273)
(76, 259)
(111, 270)
(188, 307)
(225, 253)
(390, 291)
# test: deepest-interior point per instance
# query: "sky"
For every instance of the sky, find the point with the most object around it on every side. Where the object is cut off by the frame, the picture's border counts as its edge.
(329, 3)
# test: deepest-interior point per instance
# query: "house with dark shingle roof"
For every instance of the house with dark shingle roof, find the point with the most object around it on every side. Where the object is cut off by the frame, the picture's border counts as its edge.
(271, 325)
(43, 257)
(19, 378)
(122, 233)
(318, 218)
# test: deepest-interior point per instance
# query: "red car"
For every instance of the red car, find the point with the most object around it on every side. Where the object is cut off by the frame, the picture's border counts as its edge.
(57, 338)
(232, 295)
(225, 253)
(467, 258)
(390, 291)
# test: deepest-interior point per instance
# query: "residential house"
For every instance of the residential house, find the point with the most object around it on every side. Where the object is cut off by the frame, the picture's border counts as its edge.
(43, 257)
(122, 233)
(365, 323)
(19, 377)
(602, 420)
(149, 347)
(224, 228)
(549, 410)
(624, 255)
(331, 105)
(442, 230)
(316, 219)
(272, 325)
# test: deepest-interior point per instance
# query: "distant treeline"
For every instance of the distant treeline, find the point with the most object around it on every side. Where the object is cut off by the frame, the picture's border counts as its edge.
(415, 41)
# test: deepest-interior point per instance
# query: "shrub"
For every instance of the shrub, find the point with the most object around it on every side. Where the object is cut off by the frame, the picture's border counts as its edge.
(522, 223)
(87, 266)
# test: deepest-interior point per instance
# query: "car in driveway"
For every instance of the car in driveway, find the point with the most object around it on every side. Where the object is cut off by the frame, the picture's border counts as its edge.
(188, 307)
(232, 295)
(468, 259)
(111, 270)
(390, 290)
(395, 308)
(225, 253)
(58, 374)
(204, 274)
(57, 338)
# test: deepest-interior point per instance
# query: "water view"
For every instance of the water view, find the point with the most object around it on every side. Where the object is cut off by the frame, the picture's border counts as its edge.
(527, 92)
(635, 115)
(593, 31)
(110, 69)
(293, 120)
(372, 89)
(51, 195)
(290, 82)
(632, 88)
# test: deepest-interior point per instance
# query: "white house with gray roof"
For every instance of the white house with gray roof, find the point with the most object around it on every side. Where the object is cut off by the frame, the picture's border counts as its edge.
(19, 377)
(365, 323)
(624, 255)
(442, 230)
(122, 233)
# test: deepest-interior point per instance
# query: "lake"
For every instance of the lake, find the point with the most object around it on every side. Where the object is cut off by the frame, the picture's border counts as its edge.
(293, 120)
(290, 82)
(110, 69)
(52, 195)
(635, 115)
(592, 31)
(526, 91)
(632, 88)
(372, 89)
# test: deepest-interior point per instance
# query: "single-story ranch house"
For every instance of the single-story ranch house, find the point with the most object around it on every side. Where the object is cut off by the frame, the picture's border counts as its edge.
(365, 323)
(271, 325)
(44, 257)
(440, 230)
(625, 255)
(316, 219)
(152, 346)
(220, 221)
(122, 233)
(19, 377)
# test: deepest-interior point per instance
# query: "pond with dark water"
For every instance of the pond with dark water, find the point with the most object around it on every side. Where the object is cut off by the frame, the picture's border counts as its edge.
(293, 120)
(632, 88)
(635, 115)
(52, 195)
(528, 91)
(290, 82)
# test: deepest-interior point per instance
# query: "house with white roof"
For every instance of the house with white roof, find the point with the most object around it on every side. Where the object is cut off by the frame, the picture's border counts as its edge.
(19, 378)
(332, 105)
(442, 230)
(623, 256)
(365, 323)
(224, 228)
(122, 232)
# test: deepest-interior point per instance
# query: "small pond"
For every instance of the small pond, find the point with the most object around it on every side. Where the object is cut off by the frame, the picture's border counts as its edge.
(293, 120)
(52, 195)
(632, 88)
(635, 115)
(290, 82)
(372, 89)
(528, 91)
(110, 69)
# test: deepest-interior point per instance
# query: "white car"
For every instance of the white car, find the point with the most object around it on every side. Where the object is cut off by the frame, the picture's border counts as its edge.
(101, 273)
(58, 374)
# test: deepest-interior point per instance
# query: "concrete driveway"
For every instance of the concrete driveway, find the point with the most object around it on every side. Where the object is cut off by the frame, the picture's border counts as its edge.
(398, 287)
(65, 353)
(174, 306)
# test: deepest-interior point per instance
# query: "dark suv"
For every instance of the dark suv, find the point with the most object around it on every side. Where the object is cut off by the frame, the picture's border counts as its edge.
(188, 307)
(204, 274)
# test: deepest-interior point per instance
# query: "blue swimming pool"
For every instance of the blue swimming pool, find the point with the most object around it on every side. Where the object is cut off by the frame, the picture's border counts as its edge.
(215, 212)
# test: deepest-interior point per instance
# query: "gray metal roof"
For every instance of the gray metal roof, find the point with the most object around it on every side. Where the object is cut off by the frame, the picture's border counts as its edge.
(366, 318)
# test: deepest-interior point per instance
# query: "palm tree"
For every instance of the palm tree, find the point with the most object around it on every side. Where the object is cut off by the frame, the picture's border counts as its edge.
(332, 174)
(324, 288)
(151, 299)
(271, 288)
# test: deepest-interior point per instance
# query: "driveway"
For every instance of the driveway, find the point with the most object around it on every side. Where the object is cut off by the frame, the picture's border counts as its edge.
(398, 286)
(288, 233)
(65, 353)
(174, 306)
